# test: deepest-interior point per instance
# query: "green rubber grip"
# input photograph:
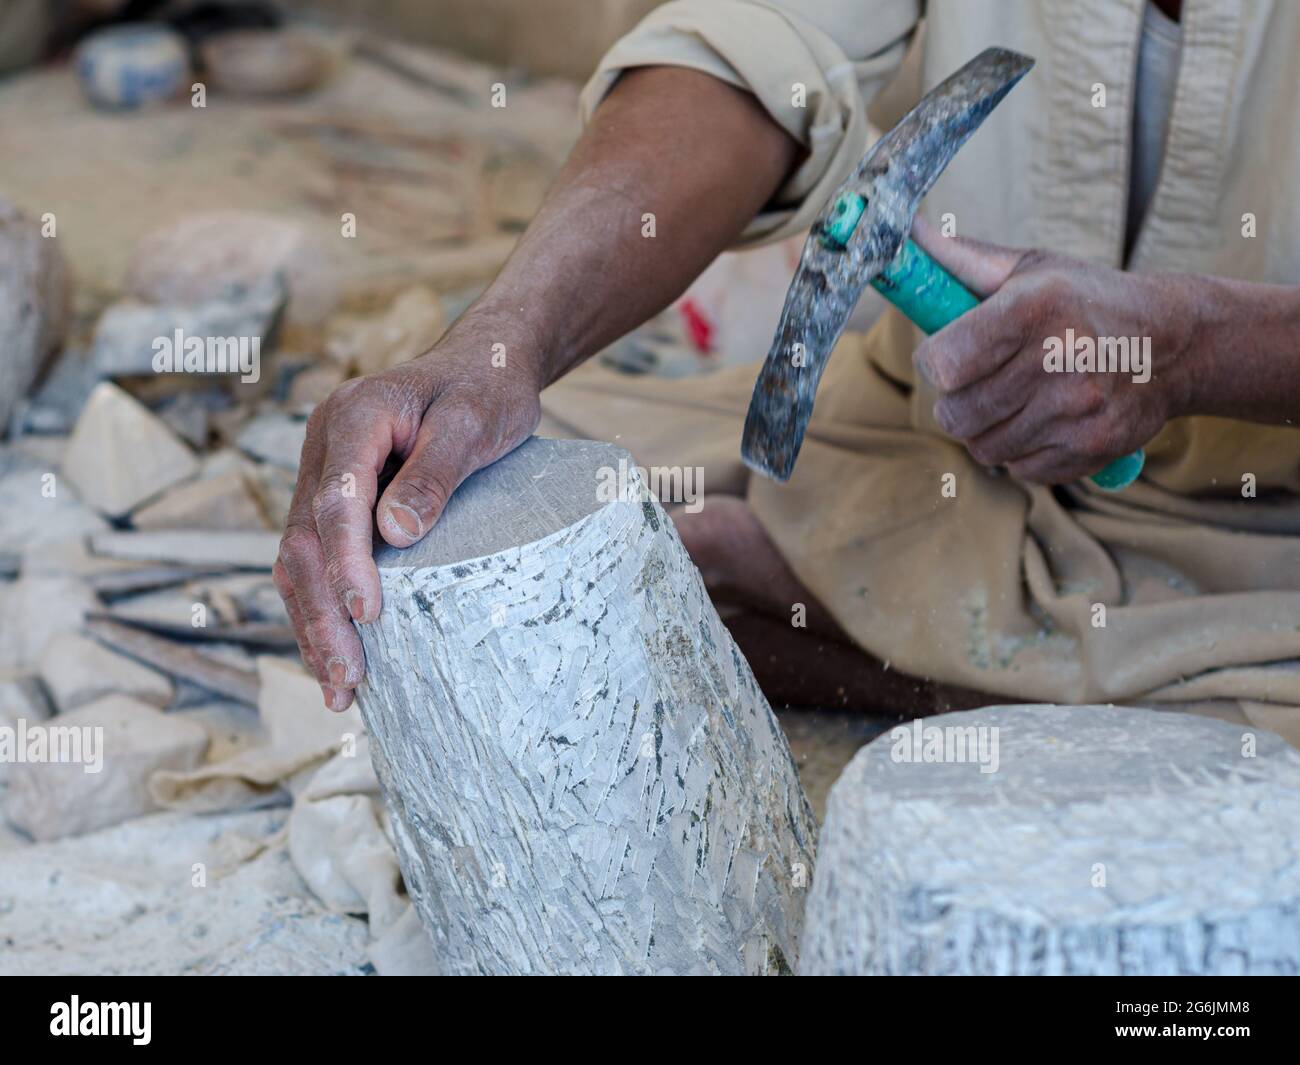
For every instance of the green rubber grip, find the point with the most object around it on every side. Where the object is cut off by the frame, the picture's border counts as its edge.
(923, 290)
(931, 297)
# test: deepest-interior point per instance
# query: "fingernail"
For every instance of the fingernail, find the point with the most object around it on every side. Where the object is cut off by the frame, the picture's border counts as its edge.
(338, 671)
(406, 519)
(356, 604)
(328, 693)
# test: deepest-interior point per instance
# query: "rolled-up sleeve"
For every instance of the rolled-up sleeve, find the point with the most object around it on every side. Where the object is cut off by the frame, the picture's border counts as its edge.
(812, 64)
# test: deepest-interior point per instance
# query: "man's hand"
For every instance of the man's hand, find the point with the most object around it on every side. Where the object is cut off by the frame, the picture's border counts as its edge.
(701, 156)
(442, 416)
(988, 365)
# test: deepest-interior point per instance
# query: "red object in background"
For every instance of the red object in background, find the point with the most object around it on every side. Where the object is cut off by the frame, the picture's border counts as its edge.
(698, 328)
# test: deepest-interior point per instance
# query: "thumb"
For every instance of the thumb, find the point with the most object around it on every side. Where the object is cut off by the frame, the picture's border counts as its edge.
(981, 267)
(446, 451)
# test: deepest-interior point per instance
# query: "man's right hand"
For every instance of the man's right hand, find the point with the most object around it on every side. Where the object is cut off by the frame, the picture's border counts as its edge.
(442, 416)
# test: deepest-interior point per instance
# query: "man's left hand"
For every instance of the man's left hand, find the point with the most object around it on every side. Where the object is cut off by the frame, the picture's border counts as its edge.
(996, 394)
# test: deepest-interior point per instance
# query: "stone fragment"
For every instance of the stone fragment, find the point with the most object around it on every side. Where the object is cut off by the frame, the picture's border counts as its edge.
(58, 401)
(275, 438)
(40, 508)
(313, 385)
(21, 695)
(177, 660)
(187, 413)
(235, 549)
(223, 502)
(1079, 840)
(33, 610)
(172, 607)
(21, 699)
(409, 327)
(207, 255)
(301, 734)
(116, 744)
(274, 486)
(34, 304)
(129, 333)
(612, 793)
(121, 454)
(76, 671)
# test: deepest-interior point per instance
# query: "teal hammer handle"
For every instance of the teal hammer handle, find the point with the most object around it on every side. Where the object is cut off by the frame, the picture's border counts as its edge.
(931, 297)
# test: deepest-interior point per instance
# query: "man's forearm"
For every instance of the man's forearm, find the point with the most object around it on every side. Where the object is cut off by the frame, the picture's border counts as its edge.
(700, 156)
(1244, 354)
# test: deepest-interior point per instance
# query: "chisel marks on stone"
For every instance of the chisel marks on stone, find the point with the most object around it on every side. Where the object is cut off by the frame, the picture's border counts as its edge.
(574, 715)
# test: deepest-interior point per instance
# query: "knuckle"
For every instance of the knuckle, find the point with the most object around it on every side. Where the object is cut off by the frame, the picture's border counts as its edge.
(338, 573)
(940, 369)
(280, 578)
(320, 634)
(327, 501)
(474, 418)
(296, 543)
(1077, 402)
(1033, 259)
(427, 487)
(344, 394)
(947, 416)
(323, 631)
(1094, 442)
(1051, 294)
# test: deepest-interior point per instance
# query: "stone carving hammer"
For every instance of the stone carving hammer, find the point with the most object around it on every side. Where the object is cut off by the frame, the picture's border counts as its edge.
(862, 237)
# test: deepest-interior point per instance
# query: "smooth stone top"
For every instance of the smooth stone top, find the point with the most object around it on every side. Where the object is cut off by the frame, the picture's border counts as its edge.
(538, 489)
(1190, 818)
(1059, 755)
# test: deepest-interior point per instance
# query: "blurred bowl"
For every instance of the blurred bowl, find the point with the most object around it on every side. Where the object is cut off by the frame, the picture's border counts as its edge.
(266, 62)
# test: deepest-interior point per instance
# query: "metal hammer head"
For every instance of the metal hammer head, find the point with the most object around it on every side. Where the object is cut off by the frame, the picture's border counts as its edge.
(855, 237)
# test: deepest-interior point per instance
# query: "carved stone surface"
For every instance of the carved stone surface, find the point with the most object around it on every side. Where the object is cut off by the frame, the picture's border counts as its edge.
(1107, 841)
(34, 303)
(582, 774)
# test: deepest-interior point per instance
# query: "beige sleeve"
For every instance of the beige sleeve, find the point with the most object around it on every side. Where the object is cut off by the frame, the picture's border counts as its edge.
(840, 51)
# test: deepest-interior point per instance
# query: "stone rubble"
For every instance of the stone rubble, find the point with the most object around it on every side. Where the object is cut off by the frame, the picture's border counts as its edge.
(50, 800)
(122, 455)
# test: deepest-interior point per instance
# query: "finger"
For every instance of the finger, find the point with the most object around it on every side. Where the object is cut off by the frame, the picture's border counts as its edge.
(327, 626)
(447, 449)
(990, 401)
(1056, 464)
(974, 346)
(1048, 465)
(329, 645)
(300, 514)
(308, 653)
(358, 440)
(981, 267)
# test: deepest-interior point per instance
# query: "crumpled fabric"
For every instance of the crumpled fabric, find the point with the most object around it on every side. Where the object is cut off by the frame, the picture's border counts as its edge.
(338, 835)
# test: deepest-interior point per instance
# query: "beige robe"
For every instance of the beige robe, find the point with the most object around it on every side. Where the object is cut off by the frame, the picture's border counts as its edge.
(999, 589)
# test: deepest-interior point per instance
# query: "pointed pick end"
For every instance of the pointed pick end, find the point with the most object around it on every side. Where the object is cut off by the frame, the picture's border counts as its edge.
(759, 465)
(1014, 65)
(762, 454)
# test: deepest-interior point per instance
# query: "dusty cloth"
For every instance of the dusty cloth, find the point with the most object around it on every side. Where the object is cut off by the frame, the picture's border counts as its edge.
(996, 589)
(338, 834)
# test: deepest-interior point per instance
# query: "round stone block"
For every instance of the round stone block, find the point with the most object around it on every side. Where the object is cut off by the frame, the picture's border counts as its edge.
(1018, 840)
